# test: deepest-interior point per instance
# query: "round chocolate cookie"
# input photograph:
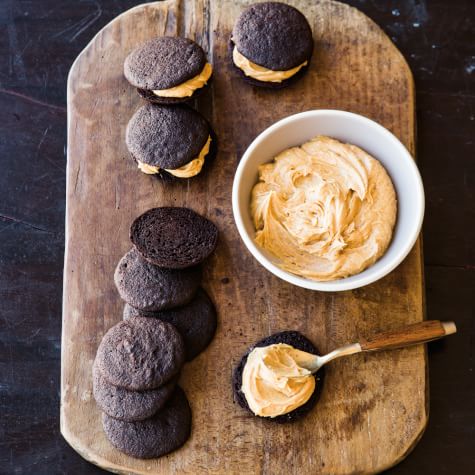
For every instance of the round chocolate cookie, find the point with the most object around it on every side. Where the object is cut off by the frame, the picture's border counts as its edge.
(151, 288)
(125, 405)
(140, 354)
(275, 36)
(164, 63)
(166, 137)
(174, 238)
(297, 340)
(195, 321)
(166, 431)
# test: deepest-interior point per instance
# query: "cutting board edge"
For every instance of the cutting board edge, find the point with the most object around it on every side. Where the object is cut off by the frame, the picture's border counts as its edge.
(88, 455)
(92, 457)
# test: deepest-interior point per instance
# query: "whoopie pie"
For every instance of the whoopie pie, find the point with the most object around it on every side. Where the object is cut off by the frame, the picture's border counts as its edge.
(271, 44)
(170, 140)
(168, 70)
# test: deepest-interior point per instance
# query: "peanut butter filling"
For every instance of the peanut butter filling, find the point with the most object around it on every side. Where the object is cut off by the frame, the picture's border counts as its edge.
(188, 170)
(261, 73)
(187, 88)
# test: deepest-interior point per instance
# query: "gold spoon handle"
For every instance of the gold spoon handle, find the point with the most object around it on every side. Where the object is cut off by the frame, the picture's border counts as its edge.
(410, 335)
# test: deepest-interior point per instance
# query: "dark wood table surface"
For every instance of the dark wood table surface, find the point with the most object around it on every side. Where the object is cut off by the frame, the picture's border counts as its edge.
(39, 39)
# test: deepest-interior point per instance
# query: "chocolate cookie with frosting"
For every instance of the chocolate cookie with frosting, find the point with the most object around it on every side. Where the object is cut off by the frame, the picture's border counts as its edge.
(170, 141)
(168, 70)
(304, 391)
(271, 44)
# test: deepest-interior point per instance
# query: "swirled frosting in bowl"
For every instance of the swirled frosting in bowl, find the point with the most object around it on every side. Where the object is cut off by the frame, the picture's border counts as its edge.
(326, 210)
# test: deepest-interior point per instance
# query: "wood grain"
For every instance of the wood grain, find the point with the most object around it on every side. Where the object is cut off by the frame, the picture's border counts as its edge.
(421, 332)
(374, 406)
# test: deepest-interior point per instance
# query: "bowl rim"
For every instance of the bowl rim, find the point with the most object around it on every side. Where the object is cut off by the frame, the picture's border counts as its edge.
(358, 280)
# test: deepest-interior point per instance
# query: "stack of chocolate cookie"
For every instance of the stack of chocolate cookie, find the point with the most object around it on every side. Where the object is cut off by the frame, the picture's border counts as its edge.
(168, 319)
(166, 139)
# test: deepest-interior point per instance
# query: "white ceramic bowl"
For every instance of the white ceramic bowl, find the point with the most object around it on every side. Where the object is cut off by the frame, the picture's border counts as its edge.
(347, 127)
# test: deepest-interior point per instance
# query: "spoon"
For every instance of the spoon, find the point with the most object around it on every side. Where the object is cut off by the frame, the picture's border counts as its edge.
(409, 335)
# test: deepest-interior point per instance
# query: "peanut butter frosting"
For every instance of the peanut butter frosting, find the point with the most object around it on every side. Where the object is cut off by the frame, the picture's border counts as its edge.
(187, 88)
(261, 73)
(326, 210)
(188, 170)
(275, 380)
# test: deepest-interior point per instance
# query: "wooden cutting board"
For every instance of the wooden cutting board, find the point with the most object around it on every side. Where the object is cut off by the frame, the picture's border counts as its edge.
(374, 407)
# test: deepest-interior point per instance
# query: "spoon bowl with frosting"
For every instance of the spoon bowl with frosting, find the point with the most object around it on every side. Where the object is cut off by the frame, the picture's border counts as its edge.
(328, 200)
(271, 381)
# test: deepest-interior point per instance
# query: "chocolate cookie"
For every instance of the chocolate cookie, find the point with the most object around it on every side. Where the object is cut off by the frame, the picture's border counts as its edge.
(140, 354)
(125, 405)
(195, 321)
(167, 137)
(163, 63)
(166, 431)
(151, 288)
(297, 340)
(275, 36)
(174, 238)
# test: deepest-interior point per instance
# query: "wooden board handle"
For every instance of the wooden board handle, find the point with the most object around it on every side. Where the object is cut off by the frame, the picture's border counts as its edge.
(411, 335)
